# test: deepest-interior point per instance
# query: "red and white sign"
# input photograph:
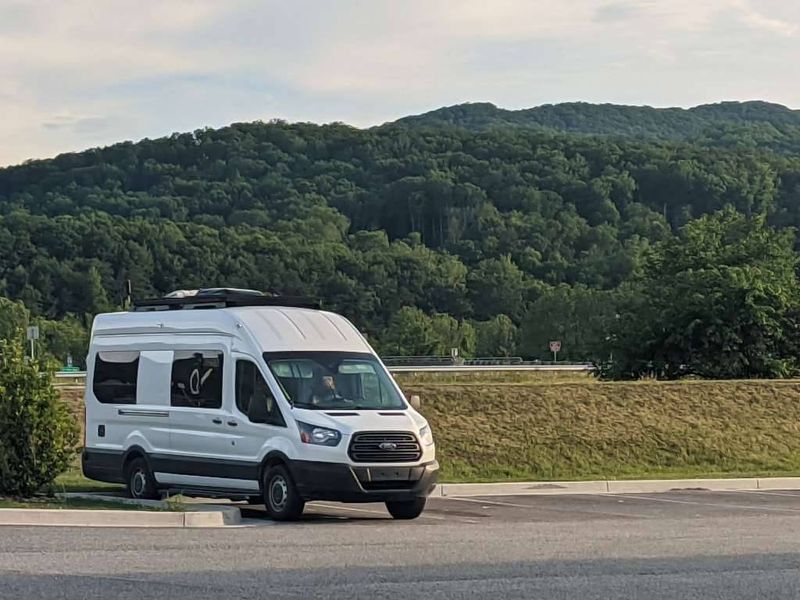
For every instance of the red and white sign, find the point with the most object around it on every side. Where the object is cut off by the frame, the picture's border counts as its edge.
(555, 346)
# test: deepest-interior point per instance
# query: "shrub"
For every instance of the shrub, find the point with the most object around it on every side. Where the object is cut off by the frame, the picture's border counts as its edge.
(37, 432)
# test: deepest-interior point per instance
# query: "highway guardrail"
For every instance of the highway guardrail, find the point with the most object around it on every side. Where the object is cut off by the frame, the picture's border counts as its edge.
(79, 376)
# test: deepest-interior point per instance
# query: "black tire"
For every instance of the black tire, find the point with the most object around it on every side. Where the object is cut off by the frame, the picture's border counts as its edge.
(410, 509)
(139, 480)
(281, 499)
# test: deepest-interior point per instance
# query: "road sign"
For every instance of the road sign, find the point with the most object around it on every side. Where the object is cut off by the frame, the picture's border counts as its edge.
(33, 335)
(555, 348)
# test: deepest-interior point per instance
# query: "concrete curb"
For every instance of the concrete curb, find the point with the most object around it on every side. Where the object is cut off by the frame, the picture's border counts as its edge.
(198, 515)
(639, 486)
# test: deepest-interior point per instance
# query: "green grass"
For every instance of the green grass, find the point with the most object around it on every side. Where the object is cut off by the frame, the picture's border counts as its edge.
(517, 426)
(517, 431)
(74, 481)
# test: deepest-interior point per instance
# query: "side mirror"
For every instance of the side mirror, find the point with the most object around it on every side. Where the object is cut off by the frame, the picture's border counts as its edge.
(415, 402)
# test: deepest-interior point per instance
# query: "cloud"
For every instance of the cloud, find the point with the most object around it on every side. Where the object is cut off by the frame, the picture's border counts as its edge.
(617, 11)
(758, 20)
(76, 123)
(78, 73)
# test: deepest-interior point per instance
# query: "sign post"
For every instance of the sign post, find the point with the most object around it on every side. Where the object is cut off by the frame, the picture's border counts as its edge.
(454, 356)
(33, 335)
(555, 348)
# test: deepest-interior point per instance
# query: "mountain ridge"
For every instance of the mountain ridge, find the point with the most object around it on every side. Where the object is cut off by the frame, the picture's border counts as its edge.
(672, 123)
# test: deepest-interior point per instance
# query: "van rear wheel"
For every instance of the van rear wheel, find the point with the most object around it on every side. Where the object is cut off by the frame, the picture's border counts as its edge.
(281, 499)
(140, 481)
(410, 509)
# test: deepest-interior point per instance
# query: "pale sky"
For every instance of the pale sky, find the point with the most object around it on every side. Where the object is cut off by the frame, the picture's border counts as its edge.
(81, 73)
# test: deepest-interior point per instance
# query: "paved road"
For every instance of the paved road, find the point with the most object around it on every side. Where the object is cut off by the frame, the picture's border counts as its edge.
(689, 544)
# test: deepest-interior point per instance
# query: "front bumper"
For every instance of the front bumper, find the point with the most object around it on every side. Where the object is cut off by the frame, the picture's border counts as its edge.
(345, 483)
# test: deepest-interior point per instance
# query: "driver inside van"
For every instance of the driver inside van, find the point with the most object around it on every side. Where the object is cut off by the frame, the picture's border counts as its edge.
(326, 392)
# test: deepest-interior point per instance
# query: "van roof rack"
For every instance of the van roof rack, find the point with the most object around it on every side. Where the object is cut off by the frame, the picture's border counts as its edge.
(206, 298)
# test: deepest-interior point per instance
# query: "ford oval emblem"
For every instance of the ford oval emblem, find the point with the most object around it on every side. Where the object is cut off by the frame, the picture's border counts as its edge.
(388, 446)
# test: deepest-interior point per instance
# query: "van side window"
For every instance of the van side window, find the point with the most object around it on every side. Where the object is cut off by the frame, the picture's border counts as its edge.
(196, 379)
(115, 375)
(253, 396)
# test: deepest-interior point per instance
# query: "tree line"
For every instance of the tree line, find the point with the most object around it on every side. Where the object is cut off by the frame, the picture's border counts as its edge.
(493, 241)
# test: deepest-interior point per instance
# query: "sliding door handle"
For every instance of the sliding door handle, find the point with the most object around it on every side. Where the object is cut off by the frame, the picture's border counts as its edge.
(217, 421)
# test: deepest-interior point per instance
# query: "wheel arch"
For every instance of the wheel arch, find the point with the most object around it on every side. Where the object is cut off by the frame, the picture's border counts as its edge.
(130, 455)
(275, 457)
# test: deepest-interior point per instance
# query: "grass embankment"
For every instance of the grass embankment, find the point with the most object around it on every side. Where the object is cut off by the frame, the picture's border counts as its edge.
(492, 426)
(526, 429)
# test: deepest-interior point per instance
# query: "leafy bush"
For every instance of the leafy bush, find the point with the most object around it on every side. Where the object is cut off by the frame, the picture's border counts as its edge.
(719, 301)
(37, 432)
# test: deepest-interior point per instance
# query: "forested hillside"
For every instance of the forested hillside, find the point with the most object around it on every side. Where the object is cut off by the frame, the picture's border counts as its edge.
(732, 124)
(494, 240)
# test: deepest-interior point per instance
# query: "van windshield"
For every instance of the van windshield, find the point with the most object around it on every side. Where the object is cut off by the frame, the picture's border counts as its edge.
(334, 380)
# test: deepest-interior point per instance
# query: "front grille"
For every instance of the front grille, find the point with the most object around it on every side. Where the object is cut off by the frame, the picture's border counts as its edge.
(366, 447)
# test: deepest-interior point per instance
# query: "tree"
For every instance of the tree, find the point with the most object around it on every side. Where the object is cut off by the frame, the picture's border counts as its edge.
(496, 337)
(413, 333)
(37, 432)
(410, 333)
(497, 286)
(95, 293)
(14, 318)
(65, 338)
(721, 300)
(579, 317)
(450, 333)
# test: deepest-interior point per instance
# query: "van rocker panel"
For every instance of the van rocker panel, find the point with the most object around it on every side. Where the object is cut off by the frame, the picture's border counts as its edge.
(314, 480)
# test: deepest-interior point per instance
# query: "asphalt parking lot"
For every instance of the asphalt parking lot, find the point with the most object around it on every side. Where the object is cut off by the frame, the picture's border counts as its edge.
(686, 504)
(679, 544)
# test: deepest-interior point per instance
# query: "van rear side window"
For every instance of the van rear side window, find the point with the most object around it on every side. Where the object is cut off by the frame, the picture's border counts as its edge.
(115, 376)
(197, 379)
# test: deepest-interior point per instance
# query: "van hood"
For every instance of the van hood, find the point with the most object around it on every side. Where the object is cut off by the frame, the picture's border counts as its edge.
(351, 421)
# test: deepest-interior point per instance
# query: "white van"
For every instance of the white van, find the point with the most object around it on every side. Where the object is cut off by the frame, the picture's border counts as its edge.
(233, 393)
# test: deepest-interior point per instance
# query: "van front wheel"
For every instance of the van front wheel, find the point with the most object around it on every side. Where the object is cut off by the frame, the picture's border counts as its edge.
(410, 509)
(281, 499)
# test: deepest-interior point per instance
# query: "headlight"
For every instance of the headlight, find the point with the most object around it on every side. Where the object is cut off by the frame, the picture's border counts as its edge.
(321, 436)
(426, 436)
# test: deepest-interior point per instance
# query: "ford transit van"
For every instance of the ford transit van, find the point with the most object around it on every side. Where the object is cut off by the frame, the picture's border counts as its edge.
(234, 393)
